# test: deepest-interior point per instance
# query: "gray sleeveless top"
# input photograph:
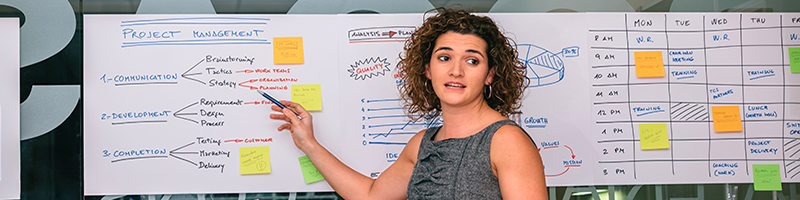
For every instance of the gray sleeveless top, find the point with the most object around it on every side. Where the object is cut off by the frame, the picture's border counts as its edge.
(456, 168)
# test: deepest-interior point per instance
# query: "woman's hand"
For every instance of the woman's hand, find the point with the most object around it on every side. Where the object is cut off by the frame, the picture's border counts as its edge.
(302, 130)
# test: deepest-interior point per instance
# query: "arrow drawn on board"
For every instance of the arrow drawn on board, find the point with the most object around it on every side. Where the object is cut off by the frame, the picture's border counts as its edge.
(570, 151)
(566, 166)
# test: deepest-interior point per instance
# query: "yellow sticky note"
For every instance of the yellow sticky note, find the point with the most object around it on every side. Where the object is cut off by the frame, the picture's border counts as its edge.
(287, 50)
(653, 136)
(767, 177)
(309, 96)
(726, 118)
(649, 64)
(254, 160)
(310, 173)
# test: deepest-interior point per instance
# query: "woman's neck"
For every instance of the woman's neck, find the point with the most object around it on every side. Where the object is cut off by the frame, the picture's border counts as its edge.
(464, 121)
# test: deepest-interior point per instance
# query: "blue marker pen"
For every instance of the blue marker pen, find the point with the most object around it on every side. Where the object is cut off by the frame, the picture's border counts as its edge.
(276, 102)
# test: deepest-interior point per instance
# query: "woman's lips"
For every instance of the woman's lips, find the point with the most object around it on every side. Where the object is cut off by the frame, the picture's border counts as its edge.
(455, 85)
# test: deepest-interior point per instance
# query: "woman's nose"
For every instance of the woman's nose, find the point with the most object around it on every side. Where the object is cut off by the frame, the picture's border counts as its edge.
(457, 69)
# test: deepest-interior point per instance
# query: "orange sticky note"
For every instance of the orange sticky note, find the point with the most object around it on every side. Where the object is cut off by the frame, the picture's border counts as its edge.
(649, 64)
(287, 50)
(726, 118)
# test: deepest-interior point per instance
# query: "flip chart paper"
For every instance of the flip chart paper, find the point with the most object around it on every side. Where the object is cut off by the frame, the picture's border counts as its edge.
(288, 50)
(653, 136)
(726, 118)
(9, 114)
(649, 64)
(309, 96)
(1, 149)
(203, 104)
(794, 59)
(767, 177)
(254, 160)
(310, 173)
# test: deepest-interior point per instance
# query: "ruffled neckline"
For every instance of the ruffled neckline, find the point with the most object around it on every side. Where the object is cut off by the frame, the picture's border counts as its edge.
(436, 131)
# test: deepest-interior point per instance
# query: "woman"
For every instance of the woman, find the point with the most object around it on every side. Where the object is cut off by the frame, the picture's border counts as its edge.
(459, 66)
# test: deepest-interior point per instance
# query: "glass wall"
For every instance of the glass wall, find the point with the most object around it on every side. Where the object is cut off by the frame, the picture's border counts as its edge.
(52, 133)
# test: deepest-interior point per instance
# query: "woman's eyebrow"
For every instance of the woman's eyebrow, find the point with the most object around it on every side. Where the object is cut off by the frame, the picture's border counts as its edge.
(475, 51)
(443, 48)
(468, 51)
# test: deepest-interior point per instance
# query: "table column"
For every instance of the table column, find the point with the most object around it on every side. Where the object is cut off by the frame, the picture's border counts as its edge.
(790, 37)
(689, 112)
(649, 97)
(609, 94)
(762, 81)
(727, 150)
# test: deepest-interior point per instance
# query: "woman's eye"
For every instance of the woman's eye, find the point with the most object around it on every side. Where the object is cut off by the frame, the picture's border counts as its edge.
(472, 61)
(444, 58)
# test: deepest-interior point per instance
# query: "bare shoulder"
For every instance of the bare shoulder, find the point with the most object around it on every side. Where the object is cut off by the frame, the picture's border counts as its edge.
(511, 135)
(411, 150)
(511, 145)
(517, 164)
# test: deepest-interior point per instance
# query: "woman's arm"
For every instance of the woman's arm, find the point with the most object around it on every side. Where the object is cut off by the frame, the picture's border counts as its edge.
(391, 184)
(517, 164)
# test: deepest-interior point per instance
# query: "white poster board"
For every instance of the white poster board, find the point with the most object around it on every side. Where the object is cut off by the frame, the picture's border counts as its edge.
(380, 129)
(710, 60)
(171, 99)
(554, 106)
(9, 109)
(375, 128)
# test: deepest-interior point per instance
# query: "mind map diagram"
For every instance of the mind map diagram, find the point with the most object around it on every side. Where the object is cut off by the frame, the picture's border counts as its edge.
(214, 72)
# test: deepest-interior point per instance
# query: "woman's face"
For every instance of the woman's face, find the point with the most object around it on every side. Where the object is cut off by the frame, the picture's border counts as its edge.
(459, 69)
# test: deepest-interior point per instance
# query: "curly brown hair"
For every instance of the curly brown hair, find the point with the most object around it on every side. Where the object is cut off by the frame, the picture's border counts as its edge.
(509, 80)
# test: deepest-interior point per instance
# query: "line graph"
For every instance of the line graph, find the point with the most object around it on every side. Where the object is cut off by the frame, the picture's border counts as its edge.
(409, 123)
(384, 122)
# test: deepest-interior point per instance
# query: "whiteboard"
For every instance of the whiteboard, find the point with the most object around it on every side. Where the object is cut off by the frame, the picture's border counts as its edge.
(380, 129)
(554, 106)
(375, 130)
(582, 107)
(710, 59)
(167, 112)
(9, 109)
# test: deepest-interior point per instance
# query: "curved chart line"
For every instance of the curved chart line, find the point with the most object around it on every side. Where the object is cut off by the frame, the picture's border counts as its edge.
(566, 167)
(559, 174)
